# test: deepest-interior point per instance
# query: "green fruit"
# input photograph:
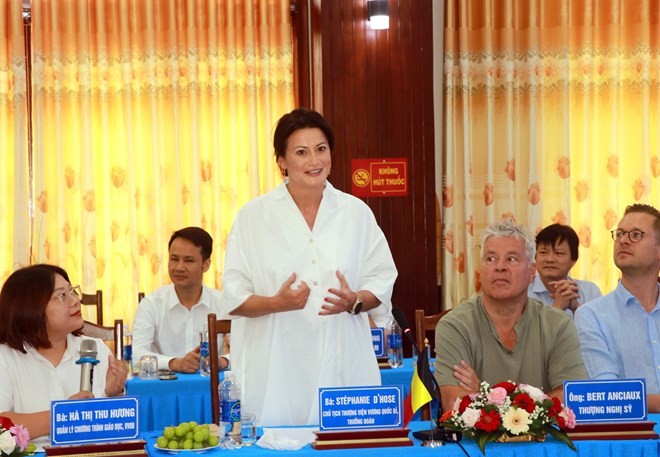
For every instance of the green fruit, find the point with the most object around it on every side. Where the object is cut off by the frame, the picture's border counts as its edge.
(213, 441)
(198, 437)
(197, 446)
(187, 444)
(161, 442)
(168, 433)
(189, 435)
(192, 424)
(173, 445)
(180, 431)
(207, 434)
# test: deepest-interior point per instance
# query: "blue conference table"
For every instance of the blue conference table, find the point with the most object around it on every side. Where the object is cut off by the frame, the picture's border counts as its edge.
(187, 398)
(549, 448)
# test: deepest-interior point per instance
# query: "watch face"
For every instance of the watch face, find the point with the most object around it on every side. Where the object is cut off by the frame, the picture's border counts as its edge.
(357, 308)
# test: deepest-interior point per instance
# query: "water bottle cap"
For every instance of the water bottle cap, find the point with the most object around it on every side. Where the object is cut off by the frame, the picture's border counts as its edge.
(229, 375)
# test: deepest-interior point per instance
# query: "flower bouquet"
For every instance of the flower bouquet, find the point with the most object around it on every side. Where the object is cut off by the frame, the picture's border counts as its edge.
(14, 439)
(509, 410)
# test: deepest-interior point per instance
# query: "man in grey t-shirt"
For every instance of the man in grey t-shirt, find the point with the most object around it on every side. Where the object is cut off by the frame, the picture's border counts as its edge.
(504, 335)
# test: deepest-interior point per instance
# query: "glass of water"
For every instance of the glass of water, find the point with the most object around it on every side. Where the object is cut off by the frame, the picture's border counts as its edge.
(148, 367)
(248, 429)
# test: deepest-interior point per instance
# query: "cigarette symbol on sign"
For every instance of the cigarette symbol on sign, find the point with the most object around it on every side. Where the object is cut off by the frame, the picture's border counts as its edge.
(361, 177)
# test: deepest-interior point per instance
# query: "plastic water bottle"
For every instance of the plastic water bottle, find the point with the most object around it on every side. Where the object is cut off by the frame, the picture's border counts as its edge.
(229, 393)
(127, 354)
(204, 360)
(394, 345)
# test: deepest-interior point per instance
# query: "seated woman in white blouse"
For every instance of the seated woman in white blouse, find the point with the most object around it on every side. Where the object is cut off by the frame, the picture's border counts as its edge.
(40, 325)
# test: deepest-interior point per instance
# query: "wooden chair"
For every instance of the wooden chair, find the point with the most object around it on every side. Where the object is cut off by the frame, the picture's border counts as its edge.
(216, 326)
(113, 336)
(94, 300)
(423, 325)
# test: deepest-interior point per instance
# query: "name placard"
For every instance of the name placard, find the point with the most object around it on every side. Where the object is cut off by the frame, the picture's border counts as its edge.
(378, 340)
(615, 400)
(356, 408)
(94, 420)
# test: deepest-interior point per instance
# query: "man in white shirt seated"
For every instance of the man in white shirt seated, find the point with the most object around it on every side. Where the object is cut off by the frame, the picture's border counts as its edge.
(168, 321)
(556, 253)
(619, 333)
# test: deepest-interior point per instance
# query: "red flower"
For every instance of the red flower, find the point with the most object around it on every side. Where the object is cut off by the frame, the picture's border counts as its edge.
(465, 402)
(6, 423)
(446, 415)
(555, 409)
(524, 401)
(561, 422)
(508, 386)
(489, 421)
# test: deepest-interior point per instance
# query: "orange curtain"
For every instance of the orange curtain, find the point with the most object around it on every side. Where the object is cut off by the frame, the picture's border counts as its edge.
(150, 116)
(551, 112)
(14, 173)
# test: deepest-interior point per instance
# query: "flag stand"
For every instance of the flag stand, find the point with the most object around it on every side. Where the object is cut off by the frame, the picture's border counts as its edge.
(432, 442)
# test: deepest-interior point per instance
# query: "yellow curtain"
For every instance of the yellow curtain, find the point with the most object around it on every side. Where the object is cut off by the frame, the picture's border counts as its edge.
(150, 116)
(14, 173)
(552, 115)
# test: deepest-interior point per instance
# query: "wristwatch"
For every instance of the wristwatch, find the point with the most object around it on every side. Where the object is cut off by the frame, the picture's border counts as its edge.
(357, 306)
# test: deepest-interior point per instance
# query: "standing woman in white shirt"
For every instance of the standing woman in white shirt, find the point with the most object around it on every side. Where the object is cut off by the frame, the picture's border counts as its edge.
(40, 325)
(303, 264)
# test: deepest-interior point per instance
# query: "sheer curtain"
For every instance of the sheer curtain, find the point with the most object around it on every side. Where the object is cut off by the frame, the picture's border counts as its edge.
(150, 116)
(551, 112)
(14, 172)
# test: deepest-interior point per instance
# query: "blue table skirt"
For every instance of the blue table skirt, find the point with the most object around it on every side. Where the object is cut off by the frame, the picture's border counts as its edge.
(549, 448)
(187, 398)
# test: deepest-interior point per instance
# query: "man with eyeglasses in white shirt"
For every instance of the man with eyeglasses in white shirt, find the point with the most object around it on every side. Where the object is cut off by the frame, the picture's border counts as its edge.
(627, 320)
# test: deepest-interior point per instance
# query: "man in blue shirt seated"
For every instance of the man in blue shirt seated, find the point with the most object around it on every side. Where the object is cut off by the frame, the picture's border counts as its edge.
(556, 253)
(620, 332)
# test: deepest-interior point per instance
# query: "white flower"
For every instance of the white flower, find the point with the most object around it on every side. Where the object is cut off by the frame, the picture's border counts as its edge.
(470, 416)
(7, 442)
(534, 392)
(516, 421)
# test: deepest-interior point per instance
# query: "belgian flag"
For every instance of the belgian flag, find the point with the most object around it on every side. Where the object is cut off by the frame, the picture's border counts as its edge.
(421, 389)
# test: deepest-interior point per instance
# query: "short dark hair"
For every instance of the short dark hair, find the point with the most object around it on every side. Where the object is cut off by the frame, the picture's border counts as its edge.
(647, 209)
(197, 236)
(23, 301)
(299, 118)
(556, 233)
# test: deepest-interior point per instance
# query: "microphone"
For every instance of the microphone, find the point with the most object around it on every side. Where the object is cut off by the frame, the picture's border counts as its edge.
(400, 318)
(87, 361)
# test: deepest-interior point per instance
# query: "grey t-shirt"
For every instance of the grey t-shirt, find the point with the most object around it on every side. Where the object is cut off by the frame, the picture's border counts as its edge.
(546, 353)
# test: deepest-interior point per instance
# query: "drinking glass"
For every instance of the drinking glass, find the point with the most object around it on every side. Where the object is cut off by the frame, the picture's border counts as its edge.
(248, 429)
(148, 367)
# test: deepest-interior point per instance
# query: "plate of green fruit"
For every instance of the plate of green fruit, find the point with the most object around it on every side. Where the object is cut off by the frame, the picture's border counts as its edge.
(187, 436)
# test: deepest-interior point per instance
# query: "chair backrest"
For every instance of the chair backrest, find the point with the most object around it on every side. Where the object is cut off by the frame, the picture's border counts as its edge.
(94, 300)
(140, 296)
(423, 325)
(215, 327)
(113, 336)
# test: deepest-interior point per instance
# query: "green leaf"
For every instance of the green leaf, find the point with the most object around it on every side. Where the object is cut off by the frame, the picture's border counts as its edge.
(482, 439)
(559, 435)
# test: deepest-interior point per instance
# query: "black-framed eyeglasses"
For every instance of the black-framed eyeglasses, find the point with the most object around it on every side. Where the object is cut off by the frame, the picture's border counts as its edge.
(635, 236)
